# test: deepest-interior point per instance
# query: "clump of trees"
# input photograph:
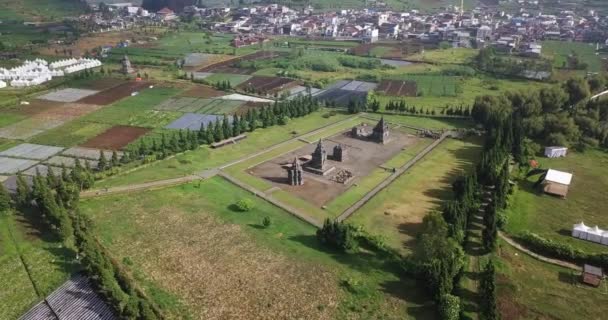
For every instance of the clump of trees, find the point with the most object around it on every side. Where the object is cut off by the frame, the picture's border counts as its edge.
(489, 61)
(557, 115)
(338, 235)
(487, 292)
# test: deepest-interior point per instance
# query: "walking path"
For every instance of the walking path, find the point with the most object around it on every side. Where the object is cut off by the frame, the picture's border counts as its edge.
(536, 256)
(348, 212)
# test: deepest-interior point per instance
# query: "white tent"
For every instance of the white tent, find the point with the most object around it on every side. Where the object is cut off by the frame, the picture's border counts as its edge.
(556, 152)
(605, 238)
(558, 177)
(595, 234)
(580, 231)
(2, 84)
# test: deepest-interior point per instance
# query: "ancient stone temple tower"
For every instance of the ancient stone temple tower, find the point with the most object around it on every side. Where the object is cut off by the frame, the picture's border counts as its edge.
(381, 133)
(126, 65)
(339, 153)
(319, 157)
(294, 174)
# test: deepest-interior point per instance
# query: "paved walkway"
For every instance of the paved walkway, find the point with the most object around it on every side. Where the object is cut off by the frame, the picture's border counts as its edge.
(536, 256)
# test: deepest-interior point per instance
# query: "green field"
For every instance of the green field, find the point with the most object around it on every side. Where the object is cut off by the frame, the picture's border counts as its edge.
(443, 56)
(70, 134)
(560, 50)
(39, 10)
(552, 217)
(49, 264)
(397, 211)
(137, 110)
(530, 289)
(233, 248)
(433, 85)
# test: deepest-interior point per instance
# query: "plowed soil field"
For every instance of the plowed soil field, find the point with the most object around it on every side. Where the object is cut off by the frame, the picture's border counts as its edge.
(116, 138)
(398, 88)
(116, 93)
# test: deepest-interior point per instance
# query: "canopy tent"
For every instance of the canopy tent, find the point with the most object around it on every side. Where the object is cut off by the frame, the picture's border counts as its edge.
(605, 238)
(595, 234)
(580, 231)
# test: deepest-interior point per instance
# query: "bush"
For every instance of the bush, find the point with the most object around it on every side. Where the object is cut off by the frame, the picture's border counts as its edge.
(266, 222)
(244, 205)
(449, 307)
(338, 235)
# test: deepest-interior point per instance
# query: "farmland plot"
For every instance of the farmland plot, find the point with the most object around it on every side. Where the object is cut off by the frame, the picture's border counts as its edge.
(12, 166)
(88, 153)
(266, 85)
(114, 138)
(31, 151)
(115, 93)
(68, 95)
(193, 121)
(398, 88)
(69, 162)
(43, 170)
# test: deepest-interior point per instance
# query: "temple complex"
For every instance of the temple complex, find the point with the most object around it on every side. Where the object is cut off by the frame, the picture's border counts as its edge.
(317, 164)
(379, 134)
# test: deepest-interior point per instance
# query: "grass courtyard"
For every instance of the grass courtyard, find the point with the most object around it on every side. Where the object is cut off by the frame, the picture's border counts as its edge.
(244, 266)
(397, 211)
(552, 217)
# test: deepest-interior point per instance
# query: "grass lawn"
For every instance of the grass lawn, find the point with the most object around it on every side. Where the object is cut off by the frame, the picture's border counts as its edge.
(530, 289)
(50, 264)
(207, 158)
(397, 211)
(552, 217)
(70, 134)
(237, 266)
(560, 50)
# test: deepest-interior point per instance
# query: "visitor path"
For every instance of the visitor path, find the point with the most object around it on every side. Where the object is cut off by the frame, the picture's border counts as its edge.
(521, 248)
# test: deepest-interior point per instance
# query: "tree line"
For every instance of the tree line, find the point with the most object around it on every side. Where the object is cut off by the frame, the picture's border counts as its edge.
(54, 198)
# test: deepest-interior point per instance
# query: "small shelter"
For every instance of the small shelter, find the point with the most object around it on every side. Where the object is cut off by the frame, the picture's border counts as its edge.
(556, 152)
(592, 275)
(557, 183)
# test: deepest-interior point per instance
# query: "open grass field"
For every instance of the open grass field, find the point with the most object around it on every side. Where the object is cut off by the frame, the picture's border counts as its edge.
(560, 50)
(239, 267)
(433, 85)
(40, 10)
(49, 263)
(397, 211)
(551, 217)
(70, 134)
(530, 289)
(443, 56)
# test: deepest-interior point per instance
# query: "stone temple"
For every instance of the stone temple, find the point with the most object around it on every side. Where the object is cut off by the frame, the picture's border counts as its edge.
(380, 133)
(295, 174)
(318, 163)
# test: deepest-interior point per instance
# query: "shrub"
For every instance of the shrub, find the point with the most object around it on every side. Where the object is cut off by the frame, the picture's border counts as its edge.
(338, 235)
(244, 205)
(266, 222)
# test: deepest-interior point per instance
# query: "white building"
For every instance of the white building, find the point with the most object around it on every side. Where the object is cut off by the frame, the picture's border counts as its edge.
(556, 152)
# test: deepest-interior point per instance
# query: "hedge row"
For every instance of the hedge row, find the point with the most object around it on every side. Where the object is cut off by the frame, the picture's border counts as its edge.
(561, 251)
